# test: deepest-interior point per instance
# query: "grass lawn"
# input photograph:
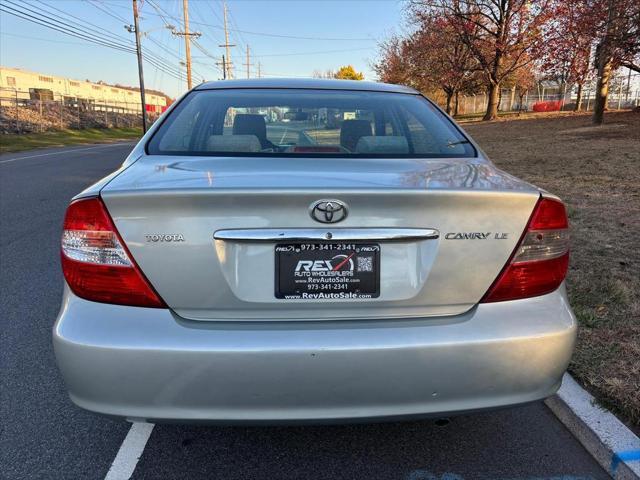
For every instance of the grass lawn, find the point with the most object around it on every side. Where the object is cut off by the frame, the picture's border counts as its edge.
(60, 138)
(524, 115)
(596, 171)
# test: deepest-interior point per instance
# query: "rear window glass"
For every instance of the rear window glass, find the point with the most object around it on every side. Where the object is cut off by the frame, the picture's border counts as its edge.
(270, 122)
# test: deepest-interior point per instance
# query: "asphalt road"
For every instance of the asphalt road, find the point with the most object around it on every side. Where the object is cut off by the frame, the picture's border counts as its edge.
(44, 436)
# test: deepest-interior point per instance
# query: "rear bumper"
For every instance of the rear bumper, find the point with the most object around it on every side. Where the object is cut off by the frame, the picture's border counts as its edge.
(148, 364)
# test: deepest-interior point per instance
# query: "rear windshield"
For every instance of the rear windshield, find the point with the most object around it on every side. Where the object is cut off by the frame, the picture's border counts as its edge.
(324, 123)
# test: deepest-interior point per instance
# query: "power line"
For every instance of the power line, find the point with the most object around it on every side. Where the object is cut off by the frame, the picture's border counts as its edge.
(70, 30)
(314, 53)
(42, 39)
(277, 35)
(206, 54)
(198, 14)
(292, 54)
(66, 23)
(80, 24)
(169, 26)
(53, 26)
(108, 37)
(188, 36)
(159, 13)
(111, 13)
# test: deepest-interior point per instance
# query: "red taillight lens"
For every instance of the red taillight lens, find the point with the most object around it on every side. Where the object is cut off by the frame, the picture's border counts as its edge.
(540, 261)
(95, 261)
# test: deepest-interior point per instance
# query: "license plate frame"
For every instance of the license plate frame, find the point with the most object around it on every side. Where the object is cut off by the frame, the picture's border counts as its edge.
(327, 270)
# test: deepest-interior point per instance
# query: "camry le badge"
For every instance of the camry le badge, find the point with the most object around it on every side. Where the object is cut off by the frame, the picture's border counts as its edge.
(328, 211)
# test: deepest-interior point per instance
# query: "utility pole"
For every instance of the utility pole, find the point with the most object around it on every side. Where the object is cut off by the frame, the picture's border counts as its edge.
(223, 64)
(136, 29)
(248, 64)
(187, 40)
(227, 45)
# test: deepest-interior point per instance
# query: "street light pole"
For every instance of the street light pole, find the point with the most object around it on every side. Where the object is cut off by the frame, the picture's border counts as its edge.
(140, 72)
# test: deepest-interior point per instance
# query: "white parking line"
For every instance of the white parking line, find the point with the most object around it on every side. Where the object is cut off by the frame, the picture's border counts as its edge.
(66, 151)
(130, 452)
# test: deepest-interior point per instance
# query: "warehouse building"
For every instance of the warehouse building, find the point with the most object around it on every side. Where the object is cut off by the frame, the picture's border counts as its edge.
(18, 85)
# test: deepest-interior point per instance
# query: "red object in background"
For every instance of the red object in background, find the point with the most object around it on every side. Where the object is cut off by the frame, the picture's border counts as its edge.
(549, 106)
(156, 108)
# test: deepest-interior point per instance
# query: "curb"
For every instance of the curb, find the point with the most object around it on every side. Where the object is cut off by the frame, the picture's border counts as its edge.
(607, 439)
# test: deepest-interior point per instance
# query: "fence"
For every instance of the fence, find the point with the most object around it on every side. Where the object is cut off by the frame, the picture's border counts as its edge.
(624, 92)
(27, 112)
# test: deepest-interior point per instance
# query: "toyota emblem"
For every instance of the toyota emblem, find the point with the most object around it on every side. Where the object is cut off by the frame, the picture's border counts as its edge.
(328, 211)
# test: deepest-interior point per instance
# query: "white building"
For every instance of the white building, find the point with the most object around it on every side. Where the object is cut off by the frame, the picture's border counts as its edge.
(23, 85)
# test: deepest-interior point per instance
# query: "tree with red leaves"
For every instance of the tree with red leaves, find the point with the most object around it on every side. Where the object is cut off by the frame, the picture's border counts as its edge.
(393, 66)
(500, 34)
(432, 57)
(439, 56)
(565, 55)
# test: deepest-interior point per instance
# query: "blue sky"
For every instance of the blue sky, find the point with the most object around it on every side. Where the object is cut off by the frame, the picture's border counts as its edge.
(288, 38)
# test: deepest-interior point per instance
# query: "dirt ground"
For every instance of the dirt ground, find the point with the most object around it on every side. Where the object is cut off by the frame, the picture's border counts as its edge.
(596, 171)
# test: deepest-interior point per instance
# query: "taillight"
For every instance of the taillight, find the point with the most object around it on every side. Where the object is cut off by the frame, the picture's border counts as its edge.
(540, 261)
(95, 261)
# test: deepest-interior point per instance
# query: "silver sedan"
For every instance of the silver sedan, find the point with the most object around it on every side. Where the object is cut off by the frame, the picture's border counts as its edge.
(311, 251)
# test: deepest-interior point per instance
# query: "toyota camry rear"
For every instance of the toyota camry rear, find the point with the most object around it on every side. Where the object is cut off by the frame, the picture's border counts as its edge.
(311, 251)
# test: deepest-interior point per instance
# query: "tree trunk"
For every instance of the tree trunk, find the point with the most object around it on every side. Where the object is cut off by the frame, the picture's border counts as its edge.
(604, 62)
(492, 104)
(449, 98)
(578, 105)
(456, 108)
(602, 90)
(521, 100)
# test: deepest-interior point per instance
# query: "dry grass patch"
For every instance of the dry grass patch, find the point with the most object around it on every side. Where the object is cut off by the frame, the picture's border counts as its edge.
(596, 171)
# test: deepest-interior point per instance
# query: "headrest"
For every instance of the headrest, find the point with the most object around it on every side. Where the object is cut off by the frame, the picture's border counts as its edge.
(393, 145)
(351, 131)
(250, 124)
(233, 143)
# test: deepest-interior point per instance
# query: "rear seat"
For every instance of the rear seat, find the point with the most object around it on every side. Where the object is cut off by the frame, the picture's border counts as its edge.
(233, 143)
(393, 145)
(252, 124)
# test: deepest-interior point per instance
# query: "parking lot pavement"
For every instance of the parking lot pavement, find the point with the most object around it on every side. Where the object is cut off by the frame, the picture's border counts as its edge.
(520, 443)
(44, 436)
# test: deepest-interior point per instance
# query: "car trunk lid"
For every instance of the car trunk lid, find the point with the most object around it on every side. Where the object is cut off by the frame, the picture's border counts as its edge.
(169, 209)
